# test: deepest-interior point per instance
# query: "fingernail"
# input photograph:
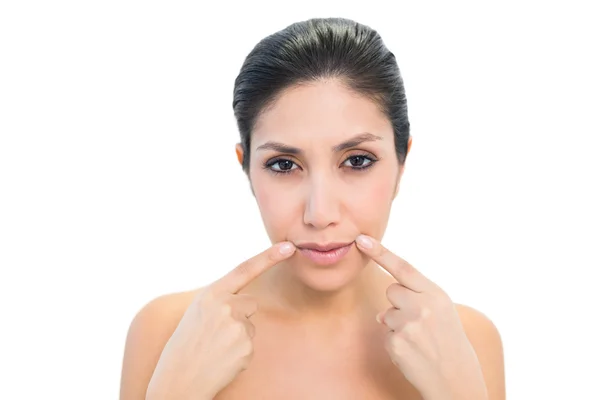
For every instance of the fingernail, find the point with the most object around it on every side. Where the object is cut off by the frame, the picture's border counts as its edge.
(378, 317)
(286, 249)
(364, 241)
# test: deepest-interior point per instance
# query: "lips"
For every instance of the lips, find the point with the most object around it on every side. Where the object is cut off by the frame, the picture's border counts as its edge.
(324, 254)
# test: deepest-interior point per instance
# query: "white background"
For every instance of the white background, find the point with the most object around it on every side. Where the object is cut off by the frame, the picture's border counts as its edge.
(119, 180)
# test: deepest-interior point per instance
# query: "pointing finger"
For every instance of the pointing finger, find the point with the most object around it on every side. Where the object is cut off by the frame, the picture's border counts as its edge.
(250, 269)
(401, 270)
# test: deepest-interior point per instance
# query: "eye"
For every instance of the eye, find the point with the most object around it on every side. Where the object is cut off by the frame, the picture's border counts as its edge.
(358, 161)
(281, 165)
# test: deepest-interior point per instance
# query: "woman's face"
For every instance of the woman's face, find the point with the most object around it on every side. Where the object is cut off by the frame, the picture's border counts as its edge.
(323, 169)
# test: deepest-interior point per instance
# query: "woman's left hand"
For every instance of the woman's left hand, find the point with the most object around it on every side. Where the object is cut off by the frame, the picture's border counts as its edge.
(426, 339)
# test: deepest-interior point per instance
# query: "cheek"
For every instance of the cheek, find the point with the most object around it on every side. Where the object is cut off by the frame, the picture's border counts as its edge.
(370, 206)
(276, 207)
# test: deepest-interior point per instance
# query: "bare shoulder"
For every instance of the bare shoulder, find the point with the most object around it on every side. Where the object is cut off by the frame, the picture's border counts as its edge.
(162, 312)
(148, 333)
(485, 338)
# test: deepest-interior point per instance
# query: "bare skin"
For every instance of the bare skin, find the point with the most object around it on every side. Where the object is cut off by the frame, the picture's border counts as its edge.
(311, 331)
(298, 356)
(295, 356)
(320, 356)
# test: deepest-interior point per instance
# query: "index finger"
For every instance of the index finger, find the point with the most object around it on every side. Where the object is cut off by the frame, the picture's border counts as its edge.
(406, 275)
(246, 272)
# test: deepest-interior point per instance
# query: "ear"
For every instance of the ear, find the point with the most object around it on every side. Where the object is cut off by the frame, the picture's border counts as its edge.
(240, 156)
(240, 153)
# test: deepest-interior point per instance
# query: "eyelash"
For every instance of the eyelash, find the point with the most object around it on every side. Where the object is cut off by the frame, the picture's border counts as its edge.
(269, 164)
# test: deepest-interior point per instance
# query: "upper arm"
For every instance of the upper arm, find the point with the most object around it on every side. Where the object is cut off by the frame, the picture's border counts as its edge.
(148, 333)
(487, 343)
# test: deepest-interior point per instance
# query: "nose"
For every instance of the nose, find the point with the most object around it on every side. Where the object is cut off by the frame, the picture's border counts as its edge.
(322, 207)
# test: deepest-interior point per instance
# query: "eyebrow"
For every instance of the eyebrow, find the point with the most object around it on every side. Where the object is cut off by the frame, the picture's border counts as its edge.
(352, 142)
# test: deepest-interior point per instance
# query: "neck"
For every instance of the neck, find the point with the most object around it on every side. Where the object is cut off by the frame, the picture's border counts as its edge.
(350, 300)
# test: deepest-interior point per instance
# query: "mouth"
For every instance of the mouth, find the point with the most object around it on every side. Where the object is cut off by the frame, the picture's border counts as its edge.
(324, 254)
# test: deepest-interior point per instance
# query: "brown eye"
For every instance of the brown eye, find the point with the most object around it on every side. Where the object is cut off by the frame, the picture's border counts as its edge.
(285, 165)
(358, 162)
(281, 165)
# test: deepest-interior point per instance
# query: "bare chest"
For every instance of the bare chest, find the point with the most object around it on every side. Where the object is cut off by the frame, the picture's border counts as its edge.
(291, 364)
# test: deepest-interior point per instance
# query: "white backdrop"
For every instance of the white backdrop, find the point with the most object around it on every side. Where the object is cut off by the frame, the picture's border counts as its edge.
(119, 181)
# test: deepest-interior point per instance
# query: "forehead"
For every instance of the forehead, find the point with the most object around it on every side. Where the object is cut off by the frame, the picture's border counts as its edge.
(320, 112)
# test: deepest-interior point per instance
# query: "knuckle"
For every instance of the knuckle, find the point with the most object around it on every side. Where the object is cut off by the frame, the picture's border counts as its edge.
(443, 300)
(405, 268)
(234, 331)
(436, 303)
(389, 291)
(411, 331)
(388, 317)
(392, 290)
(239, 329)
(226, 310)
(397, 344)
(425, 313)
(243, 270)
(247, 348)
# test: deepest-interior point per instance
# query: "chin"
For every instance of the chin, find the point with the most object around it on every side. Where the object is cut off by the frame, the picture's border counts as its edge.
(330, 277)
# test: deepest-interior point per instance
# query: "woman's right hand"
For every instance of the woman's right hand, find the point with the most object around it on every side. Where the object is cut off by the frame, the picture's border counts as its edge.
(213, 342)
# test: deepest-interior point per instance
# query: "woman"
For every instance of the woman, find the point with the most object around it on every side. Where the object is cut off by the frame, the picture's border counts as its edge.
(327, 312)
